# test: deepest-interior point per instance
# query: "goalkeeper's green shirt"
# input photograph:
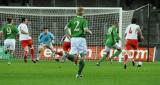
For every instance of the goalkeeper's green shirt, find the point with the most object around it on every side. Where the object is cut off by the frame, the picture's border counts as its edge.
(77, 25)
(112, 36)
(9, 31)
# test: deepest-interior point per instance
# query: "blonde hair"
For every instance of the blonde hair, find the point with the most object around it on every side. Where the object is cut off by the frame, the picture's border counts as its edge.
(80, 11)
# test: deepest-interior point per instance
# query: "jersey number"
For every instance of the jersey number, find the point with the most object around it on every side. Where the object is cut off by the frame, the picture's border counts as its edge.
(8, 31)
(77, 25)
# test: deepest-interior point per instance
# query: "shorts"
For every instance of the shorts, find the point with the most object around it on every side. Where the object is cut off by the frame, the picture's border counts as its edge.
(44, 45)
(9, 44)
(25, 43)
(78, 45)
(131, 44)
(115, 46)
(66, 46)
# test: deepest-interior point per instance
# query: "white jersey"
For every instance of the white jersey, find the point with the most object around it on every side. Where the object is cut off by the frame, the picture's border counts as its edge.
(132, 31)
(22, 36)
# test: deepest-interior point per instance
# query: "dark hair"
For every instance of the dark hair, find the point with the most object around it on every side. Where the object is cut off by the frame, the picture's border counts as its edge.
(23, 19)
(9, 19)
(134, 20)
(45, 28)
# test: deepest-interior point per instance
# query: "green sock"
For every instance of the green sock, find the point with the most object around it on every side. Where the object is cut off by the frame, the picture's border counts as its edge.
(81, 66)
(116, 54)
(103, 58)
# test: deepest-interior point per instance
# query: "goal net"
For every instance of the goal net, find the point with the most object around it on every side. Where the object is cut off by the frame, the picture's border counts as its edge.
(55, 18)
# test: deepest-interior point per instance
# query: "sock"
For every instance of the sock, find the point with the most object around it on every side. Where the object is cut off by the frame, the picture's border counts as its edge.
(103, 58)
(81, 66)
(116, 54)
(32, 53)
(25, 55)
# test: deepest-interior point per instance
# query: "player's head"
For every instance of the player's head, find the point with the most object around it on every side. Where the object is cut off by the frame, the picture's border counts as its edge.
(45, 29)
(115, 23)
(80, 11)
(134, 21)
(9, 20)
(24, 20)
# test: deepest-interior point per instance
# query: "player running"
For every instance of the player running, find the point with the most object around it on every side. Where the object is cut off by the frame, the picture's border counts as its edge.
(46, 40)
(10, 32)
(78, 26)
(26, 40)
(131, 38)
(112, 39)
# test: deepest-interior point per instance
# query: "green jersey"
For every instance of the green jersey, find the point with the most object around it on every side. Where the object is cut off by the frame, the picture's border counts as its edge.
(112, 36)
(10, 31)
(77, 26)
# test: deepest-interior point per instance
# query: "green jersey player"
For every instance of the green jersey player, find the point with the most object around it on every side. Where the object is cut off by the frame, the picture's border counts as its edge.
(112, 39)
(10, 32)
(78, 26)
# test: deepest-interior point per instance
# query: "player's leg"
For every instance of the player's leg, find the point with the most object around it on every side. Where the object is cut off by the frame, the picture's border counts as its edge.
(135, 47)
(105, 54)
(66, 48)
(26, 51)
(118, 51)
(82, 49)
(30, 44)
(128, 47)
(40, 52)
(74, 50)
(10, 44)
(6, 50)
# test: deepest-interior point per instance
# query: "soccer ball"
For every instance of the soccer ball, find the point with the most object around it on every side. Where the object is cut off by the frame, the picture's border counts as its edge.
(139, 64)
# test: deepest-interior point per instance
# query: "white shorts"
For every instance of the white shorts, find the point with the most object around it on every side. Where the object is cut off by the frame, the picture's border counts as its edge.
(115, 46)
(9, 44)
(78, 45)
(46, 45)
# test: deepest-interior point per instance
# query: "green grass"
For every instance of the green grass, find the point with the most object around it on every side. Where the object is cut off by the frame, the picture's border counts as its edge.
(55, 73)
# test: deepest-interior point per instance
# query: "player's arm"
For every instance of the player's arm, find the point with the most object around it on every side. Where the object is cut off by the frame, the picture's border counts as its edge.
(140, 33)
(39, 38)
(52, 38)
(85, 26)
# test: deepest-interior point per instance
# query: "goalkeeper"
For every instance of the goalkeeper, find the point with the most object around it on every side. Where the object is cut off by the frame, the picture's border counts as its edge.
(46, 39)
(112, 39)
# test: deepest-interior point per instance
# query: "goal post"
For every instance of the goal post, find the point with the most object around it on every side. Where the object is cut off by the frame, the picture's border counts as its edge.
(55, 18)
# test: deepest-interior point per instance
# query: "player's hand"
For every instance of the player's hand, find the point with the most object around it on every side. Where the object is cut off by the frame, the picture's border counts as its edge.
(142, 38)
(90, 32)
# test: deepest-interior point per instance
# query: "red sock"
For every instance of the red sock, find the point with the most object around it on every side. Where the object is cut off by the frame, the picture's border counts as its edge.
(32, 53)
(25, 55)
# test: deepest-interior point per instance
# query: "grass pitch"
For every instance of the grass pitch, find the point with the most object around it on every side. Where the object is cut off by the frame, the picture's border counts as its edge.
(55, 73)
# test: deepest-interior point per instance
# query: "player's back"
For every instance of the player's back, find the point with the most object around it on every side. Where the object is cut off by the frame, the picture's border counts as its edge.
(77, 25)
(112, 34)
(132, 31)
(10, 31)
(23, 36)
